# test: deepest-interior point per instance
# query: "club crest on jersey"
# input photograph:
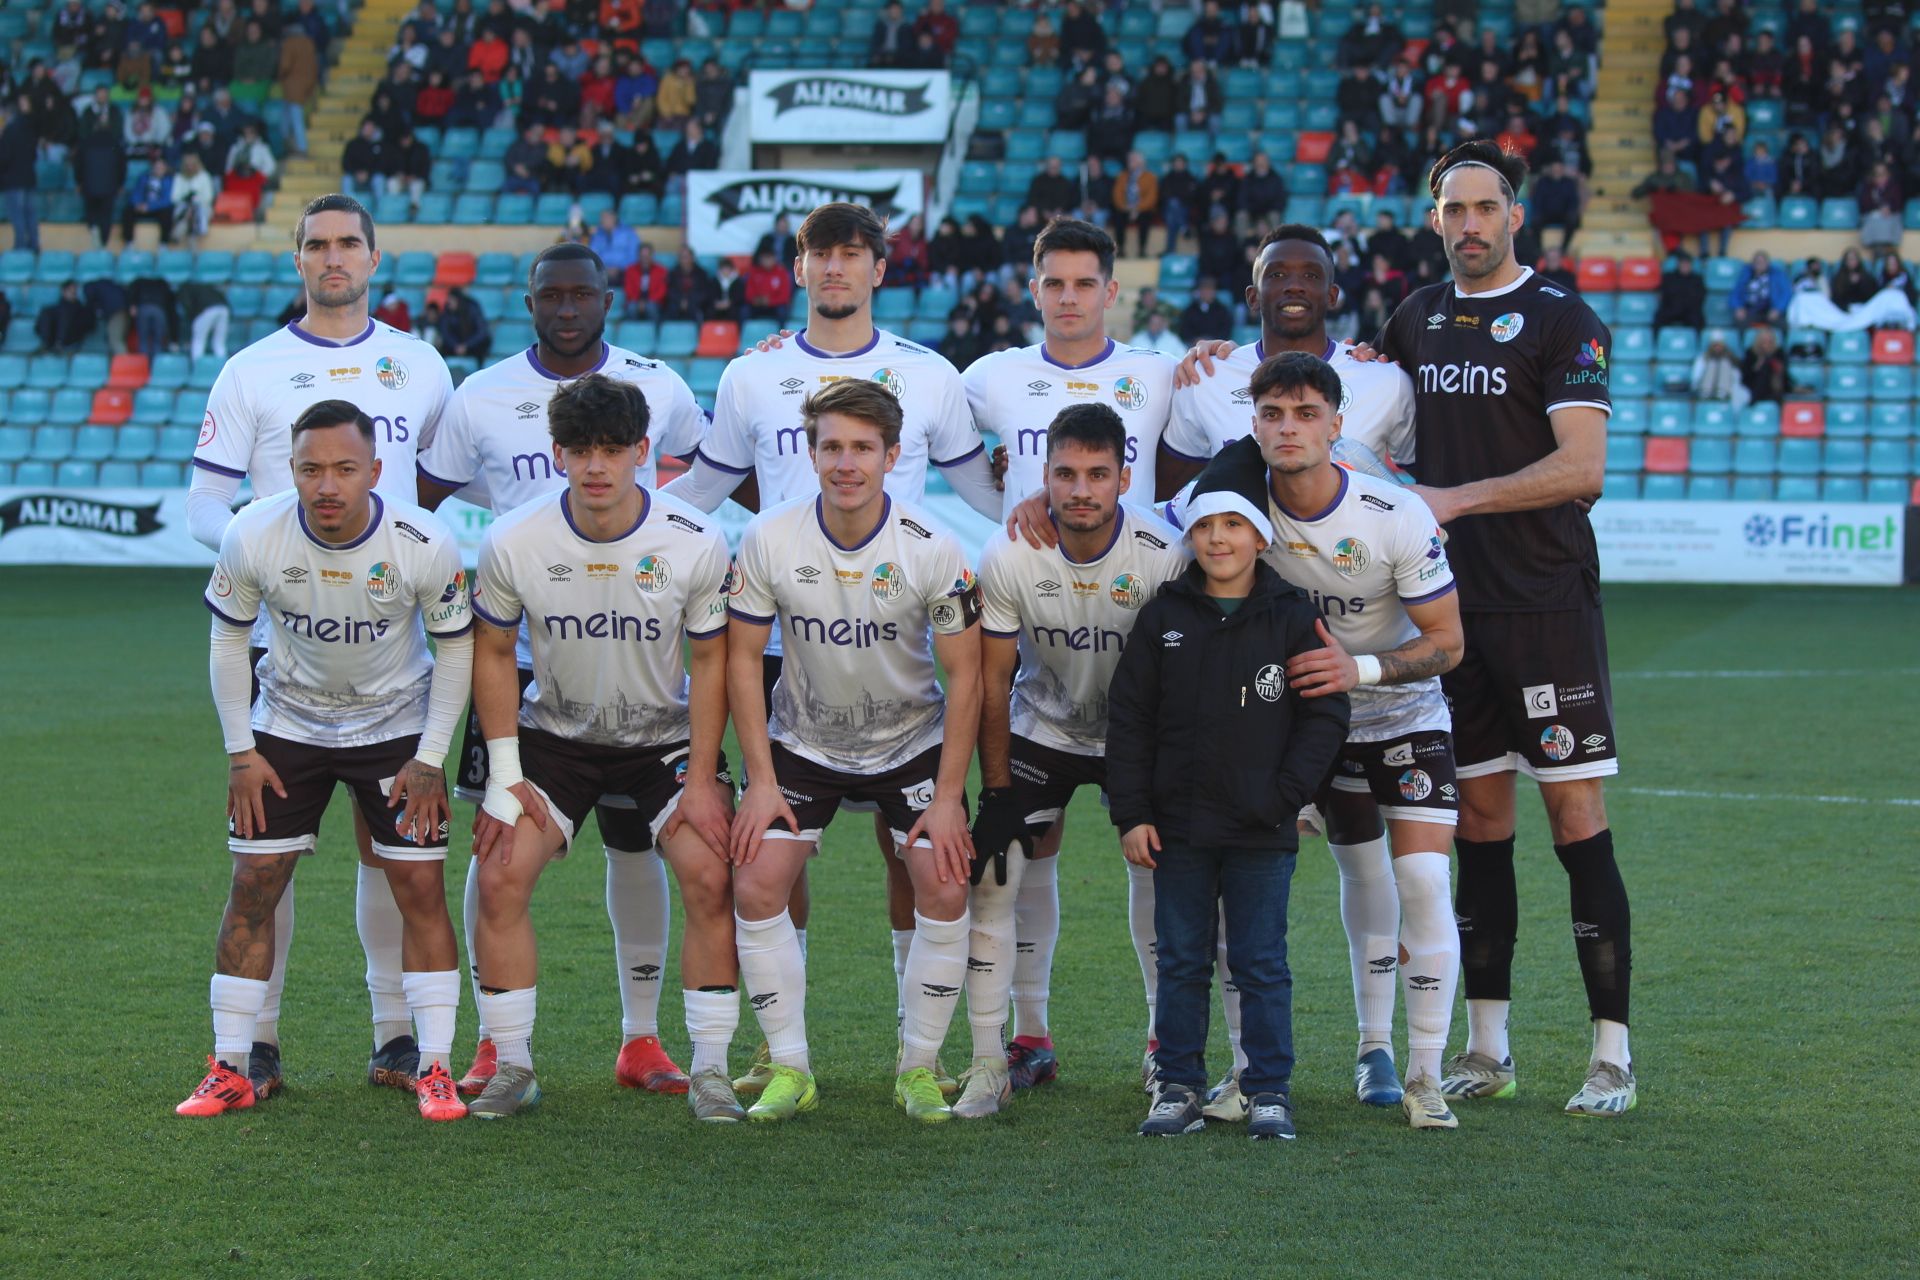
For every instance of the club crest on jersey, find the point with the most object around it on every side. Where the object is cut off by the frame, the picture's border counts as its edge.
(1128, 591)
(652, 574)
(222, 584)
(383, 581)
(1507, 327)
(391, 373)
(1415, 785)
(888, 582)
(1270, 682)
(1130, 393)
(736, 581)
(207, 430)
(1351, 557)
(892, 381)
(1556, 742)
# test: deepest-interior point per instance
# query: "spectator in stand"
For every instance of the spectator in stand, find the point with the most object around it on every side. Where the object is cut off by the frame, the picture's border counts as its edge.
(428, 330)
(464, 331)
(193, 197)
(552, 99)
(149, 129)
(1448, 95)
(1136, 202)
(713, 96)
(412, 165)
(645, 287)
(1674, 129)
(1212, 38)
(1554, 269)
(1726, 182)
(1219, 189)
(1840, 170)
(1257, 33)
(1206, 316)
(99, 171)
(606, 171)
(526, 162)
(617, 245)
(393, 310)
(1082, 38)
(1051, 191)
(64, 324)
(490, 54)
(1263, 194)
(935, 21)
(252, 146)
(1110, 130)
(476, 103)
(1179, 193)
(19, 151)
(943, 253)
(782, 243)
(150, 200)
(729, 298)
(434, 101)
(1400, 102)
(1762, 171)
(695, 150)
(1158, 337)
(1386, 279)
(1345, 181)
(1201, 97)
(677, 96)
(1043, 42)
(1761, 292)
(1358, 97)
(1720, 116)
(1220, 249)
(1763, 369)
(569, 160)
(633, 94)
(1079, 95)
(1683, 296)
(963, 343)
(599, 90)
(1148, 303)
(1370, 41)
(1812, 279)
(1717, 374)
(1852, 282)
(571, 60)
(206, 313)
(245, 181)
(1894, 274)
(153, 311)
(689, 288)
(1881, 202)
(298, 74)
(1093, 196)
(1016, 245)
(769, 287)
(1799, 169)
(1156, 99)
(51, 112)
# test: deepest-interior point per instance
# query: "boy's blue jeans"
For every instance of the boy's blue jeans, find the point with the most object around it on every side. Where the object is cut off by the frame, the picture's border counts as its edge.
(1250, 887)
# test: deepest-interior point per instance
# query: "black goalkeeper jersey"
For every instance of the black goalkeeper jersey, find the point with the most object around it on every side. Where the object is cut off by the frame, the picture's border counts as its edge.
(1487, 370)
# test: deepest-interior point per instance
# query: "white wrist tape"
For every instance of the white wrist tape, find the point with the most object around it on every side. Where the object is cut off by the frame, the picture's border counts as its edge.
(1369, 669)
(503, 771)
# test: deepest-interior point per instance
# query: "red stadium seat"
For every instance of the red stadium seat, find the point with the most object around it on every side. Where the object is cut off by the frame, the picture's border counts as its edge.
(719, 338)
(128, 371)
(1639, 275)
(1803, 418)
(454, 268)
(1913, 499)
(233, 206)
(1668, 455)
(112, 406)
(1598, 275)
(1892, 346)
(1312, 148)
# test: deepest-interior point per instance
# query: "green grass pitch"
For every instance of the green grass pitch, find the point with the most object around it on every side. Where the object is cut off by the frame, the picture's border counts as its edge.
(1775, 1024)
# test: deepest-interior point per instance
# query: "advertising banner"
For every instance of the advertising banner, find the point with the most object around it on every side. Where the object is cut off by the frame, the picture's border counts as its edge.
(728, 210)
(1836, 543)
(850, 106)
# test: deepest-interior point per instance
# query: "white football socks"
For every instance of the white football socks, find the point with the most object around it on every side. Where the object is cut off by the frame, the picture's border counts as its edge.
(712, 1018)
(236, 1007)
(378, 918)
(902, 944)
(991, 908)
(267, 1028)
(936, 971)
(1370, 911)
(775, 976)
(1140, 924)
(434, 998)
(1432, 971)
(1229, 997)
(1610, 1042)
(1036, 931)
(509, 1017)
(469, 914)
(638, 906)
(1487, 1028)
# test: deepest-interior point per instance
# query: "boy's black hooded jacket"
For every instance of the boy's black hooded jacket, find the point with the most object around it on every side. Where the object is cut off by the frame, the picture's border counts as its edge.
(1205, 740)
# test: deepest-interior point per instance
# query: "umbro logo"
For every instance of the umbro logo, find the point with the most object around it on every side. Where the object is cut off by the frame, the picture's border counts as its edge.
(806, 573)
(294, 574)
(646, 973)
(1581, 929)
(939, 991)
(1039, 387)
(528, 408)
(302, 379)
(977, 965)
(1021, 948)
(1048, 587)
(559, 570)
(792, 385)
(1383, 964)
(1171, 638)
(764, 1000)
(1594, 741)
(1422, 982)
(1437, 319)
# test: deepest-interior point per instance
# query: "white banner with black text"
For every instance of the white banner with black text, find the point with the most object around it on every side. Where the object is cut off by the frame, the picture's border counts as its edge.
(850, 106)
(728, 210)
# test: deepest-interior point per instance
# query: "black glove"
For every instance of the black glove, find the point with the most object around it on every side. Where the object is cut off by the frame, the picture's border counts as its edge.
(996, 828)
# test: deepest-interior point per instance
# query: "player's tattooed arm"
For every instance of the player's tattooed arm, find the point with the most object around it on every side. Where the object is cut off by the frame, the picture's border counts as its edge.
(1418, 659)
(423, 788)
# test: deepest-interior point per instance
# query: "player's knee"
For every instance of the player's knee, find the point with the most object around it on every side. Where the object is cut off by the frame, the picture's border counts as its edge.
(1575, 810)
(258, 882)
(941, 901)
(505, 890)
(757, 897)
(1351, 818)
(416, 885)
(706, 891)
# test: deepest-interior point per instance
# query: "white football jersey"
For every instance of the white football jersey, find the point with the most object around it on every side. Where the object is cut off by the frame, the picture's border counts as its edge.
(395, 379)
(348, 664)
(1073, 619)
(495, 430)
(1016, 395)
(857, 692)
(756, 413)
(1376, 405)
(605, 618)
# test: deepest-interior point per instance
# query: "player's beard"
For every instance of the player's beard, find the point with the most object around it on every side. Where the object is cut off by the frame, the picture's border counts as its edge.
(1496, 257)
(338, 296)
(835, 311)
(1085, 519)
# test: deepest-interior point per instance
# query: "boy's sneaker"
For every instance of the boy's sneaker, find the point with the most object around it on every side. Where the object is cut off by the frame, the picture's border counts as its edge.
(1610, 1091)
(512, 1090)
(485, 1062)
(1149, 1072)
(395, 1064)
(1375, 1081)
(710, 1094)
(263, 1070)
(1225, 1101)
(1269, 1116)
(988, 1088)
(1176, 1110)
(1031, 1064)
(1426, 1106)
(1475, 1075)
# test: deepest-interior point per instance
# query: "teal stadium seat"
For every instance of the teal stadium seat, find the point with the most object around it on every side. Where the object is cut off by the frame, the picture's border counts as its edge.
(1844, 457)
(1892, 382)
(1890, 458)
(57, 266)
(136, 442)
(1633, 343)
(1663, 488)
(16, 443)
(1629, 418)
(1847, 419)
(255, 266)
(33, 475)
(1887, 419)
(1839, 213)
(1623, 453)
(1843, 382)
(1713, 419)
(213, 266)
(1622, 484)
(1709, 488)
(29, 406)
(1755, 488)
(13, 372)
(45, 373)
(17, 266)
(1710, 454)
(1671, 418)
(1755, 456)
(175, 266)
(1799, 457)
(1843, 489)
(1797, 489)
(71, 406)
(119, 475)
(88, 371)
(677, 339)
(1849, 348)
(1799, 213)
(52, 443)
(1676, 344)
(160, 475)
(74, 474)
(94, 443)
